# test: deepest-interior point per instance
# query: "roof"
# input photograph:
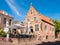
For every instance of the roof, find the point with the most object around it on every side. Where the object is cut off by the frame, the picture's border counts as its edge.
(5, 13)
(47, 19)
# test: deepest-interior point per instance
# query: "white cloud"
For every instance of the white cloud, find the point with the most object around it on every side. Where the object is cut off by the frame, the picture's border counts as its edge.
(13, 7)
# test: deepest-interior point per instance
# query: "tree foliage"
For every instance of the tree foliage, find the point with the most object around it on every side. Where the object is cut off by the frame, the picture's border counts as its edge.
(57, 26)
(2, 33)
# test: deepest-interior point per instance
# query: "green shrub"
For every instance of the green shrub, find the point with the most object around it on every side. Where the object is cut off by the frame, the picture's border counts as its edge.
(2, 33)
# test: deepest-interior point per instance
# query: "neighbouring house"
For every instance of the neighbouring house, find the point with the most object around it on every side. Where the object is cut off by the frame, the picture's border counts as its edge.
(39, 25)
(4, 18)
(12, 24)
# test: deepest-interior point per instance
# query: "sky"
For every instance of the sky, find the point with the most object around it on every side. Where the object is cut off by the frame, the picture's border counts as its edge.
(19, 8)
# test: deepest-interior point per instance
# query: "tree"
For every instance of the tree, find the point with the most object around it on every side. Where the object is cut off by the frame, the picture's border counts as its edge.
(57, 26)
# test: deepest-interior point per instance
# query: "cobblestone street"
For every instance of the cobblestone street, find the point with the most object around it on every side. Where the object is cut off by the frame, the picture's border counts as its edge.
(44, 43)
(57, 42)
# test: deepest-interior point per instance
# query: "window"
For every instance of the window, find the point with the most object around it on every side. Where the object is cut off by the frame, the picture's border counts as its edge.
(31, 11)
(10, 22)
(45, 27)
(36, 27)
(4, 21)
(52, 29)
(41, 26)
(31, 27)
(34, 18)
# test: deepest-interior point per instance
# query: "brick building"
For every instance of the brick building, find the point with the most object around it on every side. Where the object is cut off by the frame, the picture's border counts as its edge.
(39, 24)
(36, 24)
(12, 24)
(4, 17)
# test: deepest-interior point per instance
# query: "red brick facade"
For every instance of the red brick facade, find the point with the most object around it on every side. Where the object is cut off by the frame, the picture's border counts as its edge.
(41, 25)
(3, 18)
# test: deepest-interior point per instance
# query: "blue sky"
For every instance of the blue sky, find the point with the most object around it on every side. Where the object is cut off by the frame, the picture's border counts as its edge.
(19, 8)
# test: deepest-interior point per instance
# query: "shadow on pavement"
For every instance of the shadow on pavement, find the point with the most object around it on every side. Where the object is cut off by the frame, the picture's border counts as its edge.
(50, 43)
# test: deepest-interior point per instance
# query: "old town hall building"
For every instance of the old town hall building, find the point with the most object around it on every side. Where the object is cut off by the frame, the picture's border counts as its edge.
(39, 24)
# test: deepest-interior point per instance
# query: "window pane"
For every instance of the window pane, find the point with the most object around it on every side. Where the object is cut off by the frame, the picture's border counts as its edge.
(36, 27)
(45, 27)
(4, 21)
(34, 18)
(41, 26)
(9, 22)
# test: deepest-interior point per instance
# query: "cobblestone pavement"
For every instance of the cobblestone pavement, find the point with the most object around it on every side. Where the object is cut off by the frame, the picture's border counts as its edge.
(44, 43)
(25, 43)
(16, 44)
(57, 42)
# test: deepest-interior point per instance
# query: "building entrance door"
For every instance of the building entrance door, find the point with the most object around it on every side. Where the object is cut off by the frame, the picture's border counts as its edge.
(32, 30)
(46, 36)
